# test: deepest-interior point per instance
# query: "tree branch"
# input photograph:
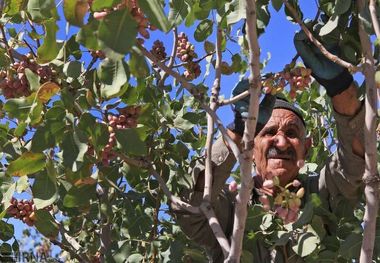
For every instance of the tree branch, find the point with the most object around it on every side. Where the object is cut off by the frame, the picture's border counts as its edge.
(210, 121)
(207, 210)
(324, 51)
(105, 228)
(74, 248)
(195, 61)
(371, 175)
(145, 164)
(234, 99)
(5, 41)
(172, 57)
(243, 197)
(194, 91)
(178, 203)
(375, 21)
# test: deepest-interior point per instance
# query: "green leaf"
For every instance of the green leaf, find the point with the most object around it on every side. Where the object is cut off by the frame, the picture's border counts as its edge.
(41, 10)
(306, 216)
(49, 48)
(238, 13)
(306, 244)
(179, 9)
(97, 131)
(283, 238)
(99, 5)
(73, 69)
(22, 184)
(47, 135)
(75, 11)
(135, 258)
(27, 163)
(46, 224)
(6, 231)
(118, 31)
(277, 4)
(330, 26)
(113, 74)
(203, 30)
(341, 6)
(79, 196)
(33, 79)
(7, 197)
(153, 9)
(350, 247)
(19, 108)
(130, 142)
(74, 147)
(14, 7)
(138, 65)
(45, 190)
(87, 35)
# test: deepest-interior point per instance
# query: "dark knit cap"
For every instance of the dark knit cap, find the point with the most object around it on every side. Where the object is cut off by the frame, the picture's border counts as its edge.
(282, 103)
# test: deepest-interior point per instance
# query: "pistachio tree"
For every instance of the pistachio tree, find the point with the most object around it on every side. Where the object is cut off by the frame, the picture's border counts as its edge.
(106, 107)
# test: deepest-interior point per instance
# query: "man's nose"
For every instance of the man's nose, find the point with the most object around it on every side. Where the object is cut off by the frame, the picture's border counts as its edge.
(281, 142)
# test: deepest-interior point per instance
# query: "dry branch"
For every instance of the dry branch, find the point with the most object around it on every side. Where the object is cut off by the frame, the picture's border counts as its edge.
(371, 174)
(244, 195)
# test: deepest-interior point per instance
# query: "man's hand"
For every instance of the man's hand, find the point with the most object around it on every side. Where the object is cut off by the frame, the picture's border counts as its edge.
(241, 109)
(332, 76)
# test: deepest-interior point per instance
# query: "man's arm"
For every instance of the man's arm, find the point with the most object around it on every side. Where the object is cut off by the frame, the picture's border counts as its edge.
(347, 104)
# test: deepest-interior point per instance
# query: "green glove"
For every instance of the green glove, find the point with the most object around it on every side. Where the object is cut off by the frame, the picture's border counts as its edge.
(241, 109)
(332, 76)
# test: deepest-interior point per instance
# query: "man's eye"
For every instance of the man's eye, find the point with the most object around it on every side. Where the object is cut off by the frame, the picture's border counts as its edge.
(269, 132)
(291, 133)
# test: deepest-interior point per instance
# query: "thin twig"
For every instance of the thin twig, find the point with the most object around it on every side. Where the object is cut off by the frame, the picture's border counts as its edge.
(75, 247)
(105, 228)
(234, 99)
(245, 161)
(178, 203)
(8, 48)
(34, 29)
(371, 174)
(195, 92)
(195, 61)
(145, 164)
(375, 21)
(352, 68)
(172, 57)
(30, 48)
(71, 251)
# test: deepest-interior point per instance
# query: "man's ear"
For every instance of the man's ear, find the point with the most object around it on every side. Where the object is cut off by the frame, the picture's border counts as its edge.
(308, 143)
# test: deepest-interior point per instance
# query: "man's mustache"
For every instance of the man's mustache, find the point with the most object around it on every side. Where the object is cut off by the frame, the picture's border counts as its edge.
(274, 152)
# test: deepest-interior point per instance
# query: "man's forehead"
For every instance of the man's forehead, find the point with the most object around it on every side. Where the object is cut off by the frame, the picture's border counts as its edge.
(284, 116)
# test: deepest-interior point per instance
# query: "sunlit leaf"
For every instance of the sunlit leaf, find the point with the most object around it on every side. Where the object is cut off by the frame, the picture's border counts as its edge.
(75, 10)
(118, 31)
(27, 163)
(46, 91)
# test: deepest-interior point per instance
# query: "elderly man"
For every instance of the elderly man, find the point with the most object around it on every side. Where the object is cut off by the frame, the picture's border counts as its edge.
(280, 149)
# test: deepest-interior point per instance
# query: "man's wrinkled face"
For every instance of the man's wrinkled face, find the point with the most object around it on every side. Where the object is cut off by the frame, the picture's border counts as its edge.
(279, 145)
